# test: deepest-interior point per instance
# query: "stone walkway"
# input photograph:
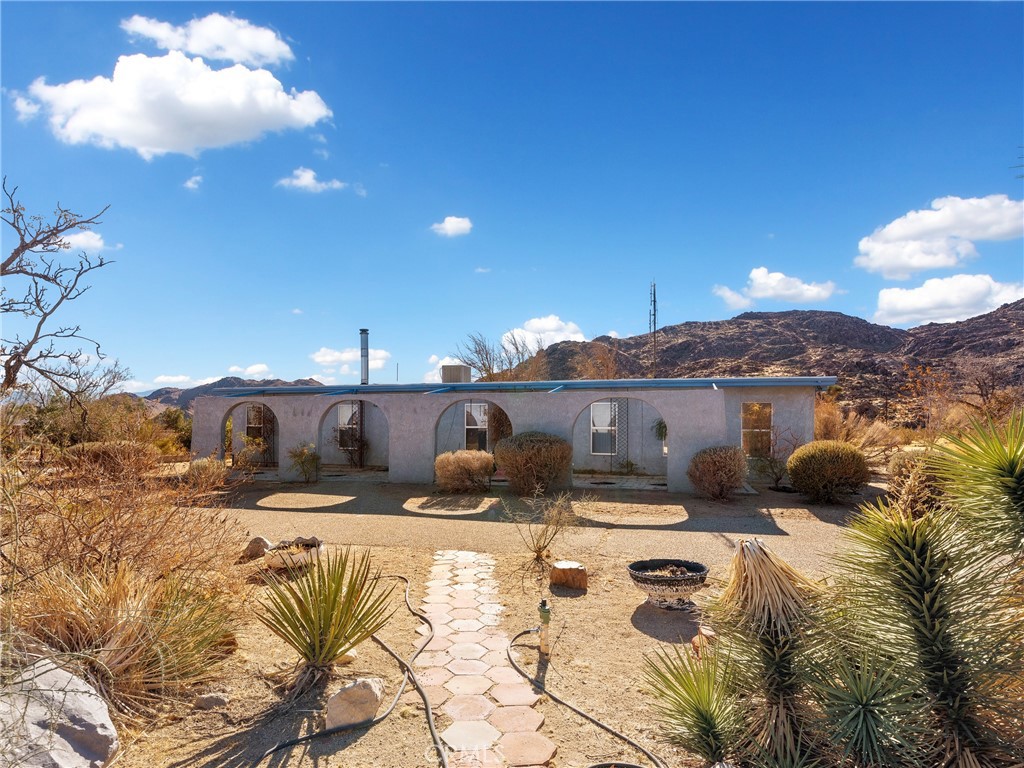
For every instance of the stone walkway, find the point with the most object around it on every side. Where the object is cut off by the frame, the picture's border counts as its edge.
(466, 672)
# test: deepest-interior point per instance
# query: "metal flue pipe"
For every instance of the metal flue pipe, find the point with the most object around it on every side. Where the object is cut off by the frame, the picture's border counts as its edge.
(364, 356)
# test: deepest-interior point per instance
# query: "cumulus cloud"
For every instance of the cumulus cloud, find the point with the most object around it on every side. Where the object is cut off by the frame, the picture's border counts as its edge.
(193, 183)
(215, 36)
(613, 334)
(172, 379)
(941, 237)
(433, 376)
(762, 284)
(482, 270)
(26, 108)
(453, 226)
(172, 103)
(305, 179)
(296, 311)
(732, 299)
(256, 369)
(89, 241)
(180, 381)
(944, 300)
(544, 331)
(326, 356)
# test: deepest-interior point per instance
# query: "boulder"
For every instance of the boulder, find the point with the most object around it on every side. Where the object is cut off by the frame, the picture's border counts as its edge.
(50, 718)
(355, 703)
(256, 548)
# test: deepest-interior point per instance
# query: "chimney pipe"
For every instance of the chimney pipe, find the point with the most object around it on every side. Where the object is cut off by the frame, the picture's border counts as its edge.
(364, 356)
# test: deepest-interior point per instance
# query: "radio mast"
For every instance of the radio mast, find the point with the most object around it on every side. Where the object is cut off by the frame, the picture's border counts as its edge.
(653, 325)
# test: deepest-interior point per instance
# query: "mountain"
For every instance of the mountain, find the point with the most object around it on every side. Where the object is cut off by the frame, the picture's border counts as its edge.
(173, 397)
(867, 358)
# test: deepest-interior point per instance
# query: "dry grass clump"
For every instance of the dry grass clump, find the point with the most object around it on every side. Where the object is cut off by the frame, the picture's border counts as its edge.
(464, 471)
(111, 457)
(874, 438)
(718, 471)
(532, 461)
(207, 473)
(824, 469)
(542, 519)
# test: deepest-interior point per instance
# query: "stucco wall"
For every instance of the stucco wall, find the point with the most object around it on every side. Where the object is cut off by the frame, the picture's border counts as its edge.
(636, 441)
(792, 409)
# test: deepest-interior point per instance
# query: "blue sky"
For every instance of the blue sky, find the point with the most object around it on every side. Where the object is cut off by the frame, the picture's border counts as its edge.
(283, 174)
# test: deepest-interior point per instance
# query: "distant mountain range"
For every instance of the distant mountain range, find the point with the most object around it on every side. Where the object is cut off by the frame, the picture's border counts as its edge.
(173, 397)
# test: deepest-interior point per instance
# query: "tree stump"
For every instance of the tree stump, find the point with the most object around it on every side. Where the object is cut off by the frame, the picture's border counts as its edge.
(568, 573)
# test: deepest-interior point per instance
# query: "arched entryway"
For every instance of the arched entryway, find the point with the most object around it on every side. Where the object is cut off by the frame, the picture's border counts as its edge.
(621, 437)
(353, 435)
(250, 436)
(475, 425)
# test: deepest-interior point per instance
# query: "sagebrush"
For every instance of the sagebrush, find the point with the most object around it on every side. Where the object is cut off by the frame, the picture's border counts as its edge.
(464, 471)
(823, 470)
(718, 471)
(533, 461)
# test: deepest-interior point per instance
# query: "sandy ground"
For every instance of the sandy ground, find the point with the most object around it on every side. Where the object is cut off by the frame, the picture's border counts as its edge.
(601, 637)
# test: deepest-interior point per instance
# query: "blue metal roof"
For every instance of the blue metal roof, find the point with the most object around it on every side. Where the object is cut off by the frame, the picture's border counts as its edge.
(819, 382)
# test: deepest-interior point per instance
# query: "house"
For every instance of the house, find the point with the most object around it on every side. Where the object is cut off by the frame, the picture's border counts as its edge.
(651, 426)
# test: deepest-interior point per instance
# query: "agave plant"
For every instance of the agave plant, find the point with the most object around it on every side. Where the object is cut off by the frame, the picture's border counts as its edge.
(697, 702)
(326, 611)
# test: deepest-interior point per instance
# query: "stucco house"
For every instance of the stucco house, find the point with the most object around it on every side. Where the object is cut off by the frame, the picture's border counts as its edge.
(651, 426)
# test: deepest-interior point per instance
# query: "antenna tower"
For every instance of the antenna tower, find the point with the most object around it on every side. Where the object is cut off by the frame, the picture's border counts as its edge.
(653, 325)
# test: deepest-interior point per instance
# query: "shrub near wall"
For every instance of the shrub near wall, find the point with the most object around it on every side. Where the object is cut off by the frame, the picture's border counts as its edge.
(532, 461)
(464, 471)
(718, 471)
(825, 469)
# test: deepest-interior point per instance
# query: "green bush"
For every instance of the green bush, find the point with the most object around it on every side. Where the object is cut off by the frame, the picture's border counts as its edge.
(824, 469)
(112, 457)
(718, 471)
(464, 471)
(532, 461)
(306, 460)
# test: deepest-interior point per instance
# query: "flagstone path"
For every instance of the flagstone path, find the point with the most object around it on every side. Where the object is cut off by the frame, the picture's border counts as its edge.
(466, 673)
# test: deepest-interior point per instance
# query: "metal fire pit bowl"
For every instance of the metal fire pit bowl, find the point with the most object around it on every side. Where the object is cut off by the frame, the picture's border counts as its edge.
(668, 591)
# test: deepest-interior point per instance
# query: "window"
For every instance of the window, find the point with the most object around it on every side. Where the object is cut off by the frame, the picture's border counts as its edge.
(476, 426)
(254, 421)
(348, 424)
(756, 429)
(604, 417)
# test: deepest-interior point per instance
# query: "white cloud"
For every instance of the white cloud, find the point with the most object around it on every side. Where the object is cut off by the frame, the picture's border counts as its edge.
(613, 334)
(732, 299)
(171, 103)
(482, 270)
(544, 331)
(942, 237)
(193, 183)
(296, 311)
(326, 356)
(322, 153)
(453, 226)
(166, 379)
(944, 300)
(433, 376)
(257, 369)
(89, 241)
(214, 37)
(26, 108)
(305, 179)
(134, 385)
(762, 284)
(359, 189)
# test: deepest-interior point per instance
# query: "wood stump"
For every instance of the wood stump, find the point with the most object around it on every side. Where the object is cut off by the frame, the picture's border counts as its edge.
(568, 573)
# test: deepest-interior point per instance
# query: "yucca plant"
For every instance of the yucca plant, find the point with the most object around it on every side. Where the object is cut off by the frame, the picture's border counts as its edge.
(983, 472)
(935, 602)
(697, 702)
(325, 612)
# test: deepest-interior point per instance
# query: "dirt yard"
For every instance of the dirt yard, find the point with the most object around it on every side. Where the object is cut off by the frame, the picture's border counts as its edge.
(600, 637)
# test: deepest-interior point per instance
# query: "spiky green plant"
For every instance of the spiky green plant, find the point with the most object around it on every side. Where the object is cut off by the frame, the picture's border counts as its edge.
(936, 604)
(697, 702)
(983, 472)
(325, 612)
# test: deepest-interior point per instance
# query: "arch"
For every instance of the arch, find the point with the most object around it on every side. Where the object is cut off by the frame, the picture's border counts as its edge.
(257, 422)
(474, 423)
(353, 433)
(619, 436)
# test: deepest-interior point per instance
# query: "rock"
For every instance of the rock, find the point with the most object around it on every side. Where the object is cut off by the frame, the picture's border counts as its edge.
(211, 701)
(568, 573)
(256, 548)
(311, 543)
(347, 658)
(356, 702)
(50, 718)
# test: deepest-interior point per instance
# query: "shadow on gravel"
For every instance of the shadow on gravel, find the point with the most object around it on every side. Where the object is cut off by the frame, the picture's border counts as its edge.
(666, 626)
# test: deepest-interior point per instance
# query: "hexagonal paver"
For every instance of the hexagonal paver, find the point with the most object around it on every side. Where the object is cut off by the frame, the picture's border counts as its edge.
(468, 667)
(496, 642)
(462, 601)
(475, 707)
(468, 625)
(501, 674)
(487, 620)
(437, 644)
(516, 719)
(515, 695)
(466, 651)
(470, 735)
(436, 609)
(464, 587)
(492, 608)
(437, 583)
(468, 685)
(436, 694)
(433, 676)
(526, 748)
(464, 613)
(433, 659)
(467, 637)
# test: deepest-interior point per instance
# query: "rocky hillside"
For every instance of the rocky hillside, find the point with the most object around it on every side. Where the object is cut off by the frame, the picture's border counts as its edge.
(868, 359)
(173, 397)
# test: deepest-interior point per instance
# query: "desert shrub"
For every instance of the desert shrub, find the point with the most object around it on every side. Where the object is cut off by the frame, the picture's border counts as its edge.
(326, 611)
(253, 453)
(772, 465)
(912, 486)
(532, 461)
(824, 469)
(464, 471)
(137, 639)
(306, 460)
(875, 439)
(718, 471)
(206, 473)
(540, 520)
(114, 457)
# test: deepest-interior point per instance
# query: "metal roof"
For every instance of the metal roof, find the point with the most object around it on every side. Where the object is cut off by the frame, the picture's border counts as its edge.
(551, 387)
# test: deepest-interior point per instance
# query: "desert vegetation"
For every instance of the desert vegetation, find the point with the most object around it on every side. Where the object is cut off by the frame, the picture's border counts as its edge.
(532, 461)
